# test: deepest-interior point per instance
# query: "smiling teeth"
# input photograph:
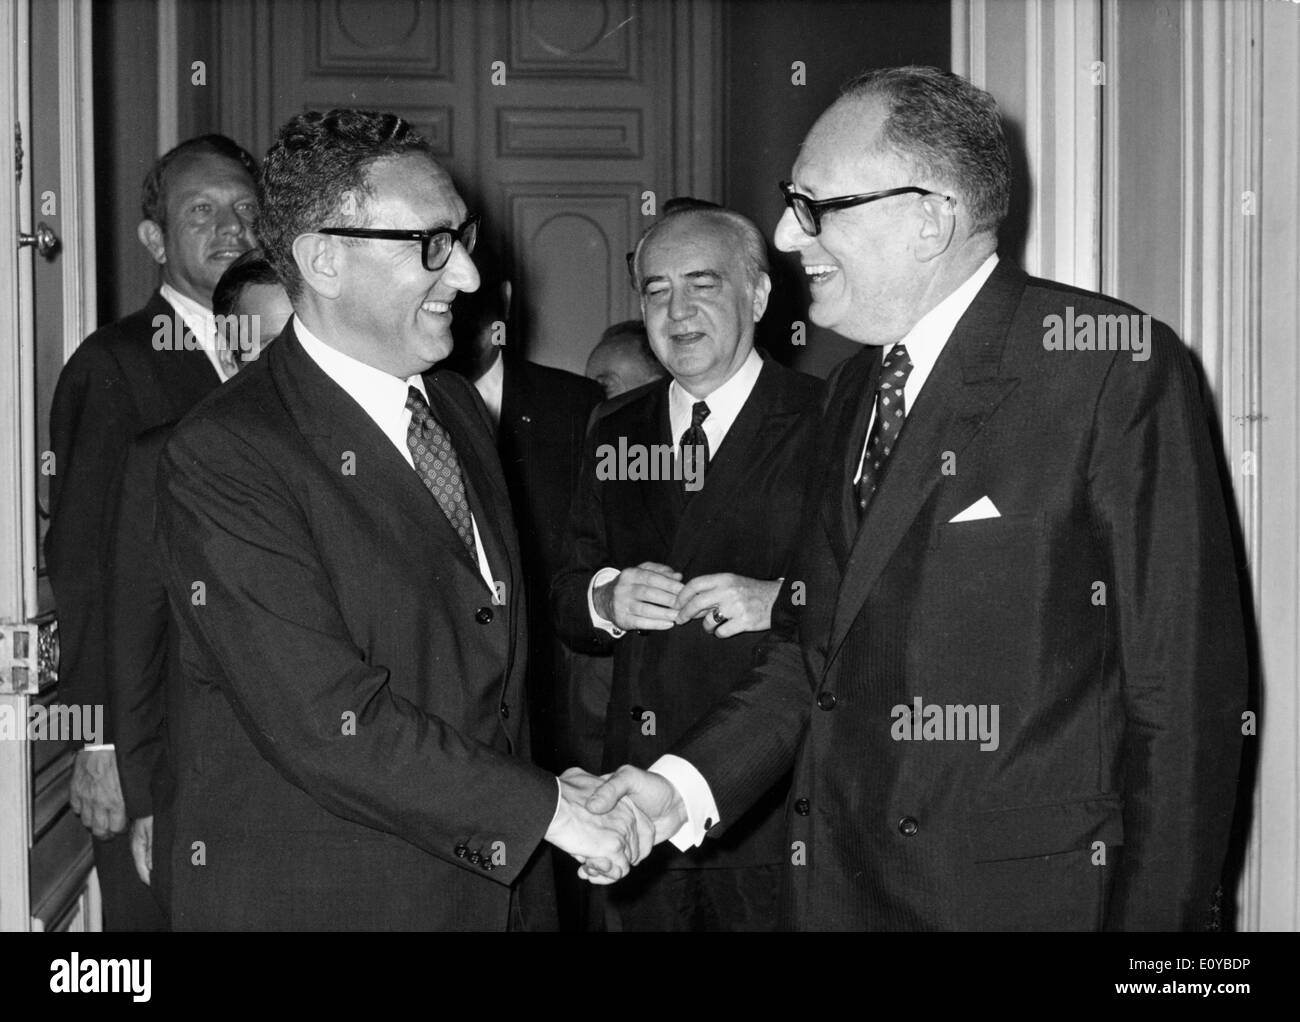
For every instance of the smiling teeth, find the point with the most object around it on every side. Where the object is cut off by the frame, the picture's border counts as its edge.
(436, 306)
(818, 272)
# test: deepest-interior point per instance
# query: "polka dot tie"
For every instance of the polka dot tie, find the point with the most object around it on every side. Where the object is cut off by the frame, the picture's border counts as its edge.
(891, 413)
(695, 442)
(438, 467)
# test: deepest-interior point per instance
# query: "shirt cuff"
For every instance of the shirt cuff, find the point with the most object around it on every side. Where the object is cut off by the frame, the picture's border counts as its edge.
(597, 580)
(701, 809)
(559, 801)
(109, 747)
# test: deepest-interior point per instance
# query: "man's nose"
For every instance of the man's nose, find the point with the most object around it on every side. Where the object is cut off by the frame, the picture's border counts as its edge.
(460, 271)
(680, 305)
(790, 237)
(230, 222)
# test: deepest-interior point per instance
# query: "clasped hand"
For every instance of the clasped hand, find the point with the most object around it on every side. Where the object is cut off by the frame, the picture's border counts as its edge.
(653, 597)
(610, 824)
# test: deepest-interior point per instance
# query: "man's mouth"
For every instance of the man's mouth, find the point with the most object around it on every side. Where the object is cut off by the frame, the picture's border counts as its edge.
(687, 338)
(228, 255)
(819, 273)
(436, 308)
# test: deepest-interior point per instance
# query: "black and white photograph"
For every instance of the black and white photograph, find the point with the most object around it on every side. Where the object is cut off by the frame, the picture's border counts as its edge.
(777, 467)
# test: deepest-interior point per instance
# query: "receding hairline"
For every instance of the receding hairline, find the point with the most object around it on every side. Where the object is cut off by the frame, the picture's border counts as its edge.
(721, 221)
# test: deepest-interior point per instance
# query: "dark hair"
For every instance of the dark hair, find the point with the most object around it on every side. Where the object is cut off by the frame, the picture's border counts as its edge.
(153, 200)
(949, 130)
(249, 270)
(751, 244)
(315, 161)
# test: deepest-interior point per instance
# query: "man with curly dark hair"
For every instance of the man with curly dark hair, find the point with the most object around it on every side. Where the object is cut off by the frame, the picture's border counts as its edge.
(350, 726)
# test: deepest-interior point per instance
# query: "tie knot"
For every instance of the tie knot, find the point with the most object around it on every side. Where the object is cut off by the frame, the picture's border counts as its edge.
(416, 405)
(895, 369)
(699, 412)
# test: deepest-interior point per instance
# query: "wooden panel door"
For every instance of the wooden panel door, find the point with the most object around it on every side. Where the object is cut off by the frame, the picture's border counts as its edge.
(556, 117)
(47, 303)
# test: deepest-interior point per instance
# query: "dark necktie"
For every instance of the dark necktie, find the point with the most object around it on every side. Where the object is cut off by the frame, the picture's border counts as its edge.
(891, 413)
(694, 442)
(438, 467)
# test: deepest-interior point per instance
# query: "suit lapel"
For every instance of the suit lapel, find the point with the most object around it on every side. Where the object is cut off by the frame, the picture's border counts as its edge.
(190, 374)
(847, 424)
(965, 388)
(488, 499)
(333, 423)
(663, 499)
(741, 452)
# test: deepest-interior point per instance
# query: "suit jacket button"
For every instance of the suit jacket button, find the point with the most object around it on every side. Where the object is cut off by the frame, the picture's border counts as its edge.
(636, 712)
(826, 700)
(908, 827)
(505, 712)
(462, 851)
(489, 865)
(476, 858)
(801, 806)
(483, 615)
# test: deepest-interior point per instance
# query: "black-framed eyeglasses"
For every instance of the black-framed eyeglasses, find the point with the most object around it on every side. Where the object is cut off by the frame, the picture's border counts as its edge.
(435, 245)
(808, 211)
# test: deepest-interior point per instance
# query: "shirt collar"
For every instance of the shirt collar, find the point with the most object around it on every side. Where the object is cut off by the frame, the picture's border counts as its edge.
(724, 403)
(380, 394)
(926, 340)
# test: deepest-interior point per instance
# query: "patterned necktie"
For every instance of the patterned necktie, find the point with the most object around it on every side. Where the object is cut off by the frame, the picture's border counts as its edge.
(695, 442)
(439, 468)
(891, 413)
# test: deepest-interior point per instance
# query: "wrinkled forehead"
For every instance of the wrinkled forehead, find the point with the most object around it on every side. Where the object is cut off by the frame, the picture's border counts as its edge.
(195, 172)
(692, 244)
(414, 186)
(843, 145)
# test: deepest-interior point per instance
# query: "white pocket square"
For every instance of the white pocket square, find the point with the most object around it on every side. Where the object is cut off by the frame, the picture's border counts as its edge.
(982, 508)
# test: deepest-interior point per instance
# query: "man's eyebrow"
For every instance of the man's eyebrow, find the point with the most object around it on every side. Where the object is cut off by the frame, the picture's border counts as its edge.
(653, 279)
(713, 274)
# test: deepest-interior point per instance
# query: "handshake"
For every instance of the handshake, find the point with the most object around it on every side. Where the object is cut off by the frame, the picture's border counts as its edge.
(610, 824)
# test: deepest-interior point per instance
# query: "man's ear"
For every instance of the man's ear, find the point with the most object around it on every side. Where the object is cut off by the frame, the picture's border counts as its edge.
(150, 234)
(317, 259)
(938, 225)
(762, 291)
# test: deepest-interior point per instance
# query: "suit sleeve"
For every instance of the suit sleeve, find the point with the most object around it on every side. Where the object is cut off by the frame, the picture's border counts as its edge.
(92, 419)
(1154, 483)
(585, 551)
(232, 531)
(137, 625)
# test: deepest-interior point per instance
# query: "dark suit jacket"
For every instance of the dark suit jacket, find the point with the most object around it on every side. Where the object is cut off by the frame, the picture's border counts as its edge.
(544, 415)
(141, 646)
(1108, 798)
(349, 732)
(114, 386)
(744, 520)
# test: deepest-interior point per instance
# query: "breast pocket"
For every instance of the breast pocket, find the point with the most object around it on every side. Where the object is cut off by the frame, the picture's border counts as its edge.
(987, 532)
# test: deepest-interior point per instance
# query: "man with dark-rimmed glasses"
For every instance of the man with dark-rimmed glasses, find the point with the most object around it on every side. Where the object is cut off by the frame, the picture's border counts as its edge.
(350, 729)
(1013, 694)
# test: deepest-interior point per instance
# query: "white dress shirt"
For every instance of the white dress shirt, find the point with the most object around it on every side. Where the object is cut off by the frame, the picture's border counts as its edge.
(927, 339)
(383, 398)
(200, 323)
(490, 385)
(925, 343)
(724, 404)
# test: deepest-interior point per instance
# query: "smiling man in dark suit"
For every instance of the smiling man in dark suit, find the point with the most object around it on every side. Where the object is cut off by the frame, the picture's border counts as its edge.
(138, 373)
(348, 728)
(678, 572)
(1013, 696)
